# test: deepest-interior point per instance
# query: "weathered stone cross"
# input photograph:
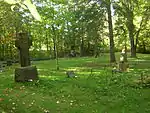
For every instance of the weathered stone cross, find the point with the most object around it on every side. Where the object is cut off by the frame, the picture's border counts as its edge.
(23, 43)
(26, 72)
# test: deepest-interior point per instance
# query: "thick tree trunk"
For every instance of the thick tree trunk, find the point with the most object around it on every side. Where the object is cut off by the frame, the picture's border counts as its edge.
(133, 46)
(88, 49)
(0, 52)
(82, 47)
(125, 56)
(10, 51)
(47, 42)
(3, 52)
(47, 45)
(57, 64)
(130, 27)
(54, 42)
(111, 38)
(6, 51)
(96, 51)
(144, 46)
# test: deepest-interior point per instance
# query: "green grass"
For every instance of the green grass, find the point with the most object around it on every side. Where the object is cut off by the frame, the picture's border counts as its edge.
(96, 92)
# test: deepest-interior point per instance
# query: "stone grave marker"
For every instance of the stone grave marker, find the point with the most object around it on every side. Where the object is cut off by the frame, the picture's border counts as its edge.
(9, 62)
(123, 64)
(26, 72)
(71, 74)
(3, 64)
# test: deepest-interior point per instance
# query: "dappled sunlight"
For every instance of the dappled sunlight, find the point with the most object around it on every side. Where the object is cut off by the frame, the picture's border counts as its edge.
(90, 73)
(140, 57)
(140, 72)
(77, 68)
(85, 70)
(139, 60)
(71, 69)
(144, 70)
(40, 69)
(50, 77)
(83, 73)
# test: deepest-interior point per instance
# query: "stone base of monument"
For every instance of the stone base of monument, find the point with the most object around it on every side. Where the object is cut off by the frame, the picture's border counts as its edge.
(23, 74)
(123, 66)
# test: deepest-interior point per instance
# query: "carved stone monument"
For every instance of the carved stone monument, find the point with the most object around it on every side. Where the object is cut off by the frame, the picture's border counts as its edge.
(23, 43)
(123, 65)
(26, 72)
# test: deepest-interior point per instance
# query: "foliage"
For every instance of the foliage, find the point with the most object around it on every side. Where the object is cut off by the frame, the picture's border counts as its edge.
(132, 20)
(79, 25)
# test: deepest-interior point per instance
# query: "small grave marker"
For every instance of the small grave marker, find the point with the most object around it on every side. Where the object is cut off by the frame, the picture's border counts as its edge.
(70, 74)
(3, 64)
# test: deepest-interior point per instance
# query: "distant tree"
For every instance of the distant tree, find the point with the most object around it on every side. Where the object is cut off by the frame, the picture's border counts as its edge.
(111, 36)
(129, 10)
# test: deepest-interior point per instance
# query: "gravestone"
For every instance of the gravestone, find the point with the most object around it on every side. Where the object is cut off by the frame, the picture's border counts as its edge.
(123, 64)
(9, 62)
(26, 72)
(3, 64)
(70, 74)
(72, 53)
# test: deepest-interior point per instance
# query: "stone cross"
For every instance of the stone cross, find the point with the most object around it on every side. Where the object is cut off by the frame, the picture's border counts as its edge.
(23, 43)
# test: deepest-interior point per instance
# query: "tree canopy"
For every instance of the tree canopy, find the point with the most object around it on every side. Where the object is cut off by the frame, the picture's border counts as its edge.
(88, 27)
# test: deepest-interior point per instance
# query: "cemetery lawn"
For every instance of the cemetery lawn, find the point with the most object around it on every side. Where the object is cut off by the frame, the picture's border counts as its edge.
(94, 90)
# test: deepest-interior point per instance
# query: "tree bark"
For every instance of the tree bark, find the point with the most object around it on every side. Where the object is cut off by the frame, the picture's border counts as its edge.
(133, 46)
(130, 27)
(111, 38)
(143, 46)
(82, 47)
(54, 42)
(47, 42)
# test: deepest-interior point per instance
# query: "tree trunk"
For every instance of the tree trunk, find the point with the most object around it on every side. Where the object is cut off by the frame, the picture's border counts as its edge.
(57, 64)
(54, 42)
(82, 47)
(125, 56)
(111, 38)
(144, 46)
(3, 52)
(0, 52)
(96, 52)
(11, 51)
(133, 46)
(130, 27)
(47, 45)
(47, 42)
(54, 48)
(88, 49)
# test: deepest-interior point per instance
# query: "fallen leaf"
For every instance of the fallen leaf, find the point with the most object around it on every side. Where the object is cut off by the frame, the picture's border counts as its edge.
(1, 99)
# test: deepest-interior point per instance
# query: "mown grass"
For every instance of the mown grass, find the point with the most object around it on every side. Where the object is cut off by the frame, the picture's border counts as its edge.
(98, 91)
